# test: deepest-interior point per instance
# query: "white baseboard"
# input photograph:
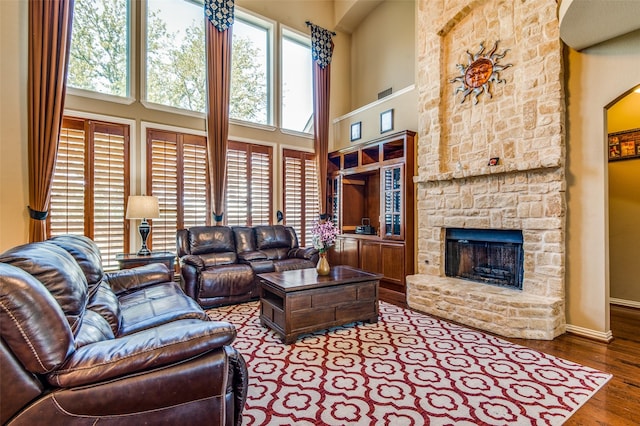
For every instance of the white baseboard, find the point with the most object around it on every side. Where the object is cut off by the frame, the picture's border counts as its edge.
(590, 334)
(623, 302)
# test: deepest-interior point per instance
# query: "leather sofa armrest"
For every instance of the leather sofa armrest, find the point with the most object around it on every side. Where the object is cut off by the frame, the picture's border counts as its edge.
(303, 253)
(249, 256)
(193, 260)
(132, 354)
(141, 276)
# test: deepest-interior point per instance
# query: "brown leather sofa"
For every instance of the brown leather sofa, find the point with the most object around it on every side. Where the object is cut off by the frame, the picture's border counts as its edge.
(219, 263)
(81, 347)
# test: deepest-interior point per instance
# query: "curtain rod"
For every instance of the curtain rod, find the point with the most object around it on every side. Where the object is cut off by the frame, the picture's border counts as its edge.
(309, 23)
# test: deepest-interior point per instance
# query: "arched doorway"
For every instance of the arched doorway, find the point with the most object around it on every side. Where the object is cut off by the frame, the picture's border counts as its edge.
(623, 144)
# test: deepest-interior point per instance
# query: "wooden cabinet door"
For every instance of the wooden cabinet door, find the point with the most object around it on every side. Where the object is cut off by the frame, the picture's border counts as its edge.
(344, 252)
(392, 262)
(350, 253)
(370, 256)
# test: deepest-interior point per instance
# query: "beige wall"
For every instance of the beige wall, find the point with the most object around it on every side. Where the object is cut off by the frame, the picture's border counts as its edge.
(13, 124)
(596, 77)
(624, 208)
(383, 52)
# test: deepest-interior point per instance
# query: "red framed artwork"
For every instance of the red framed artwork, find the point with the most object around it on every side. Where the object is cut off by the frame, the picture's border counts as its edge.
(624, 145)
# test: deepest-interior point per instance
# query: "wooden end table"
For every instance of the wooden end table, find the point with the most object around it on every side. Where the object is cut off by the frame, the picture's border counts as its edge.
(131, 260)
(301, 301)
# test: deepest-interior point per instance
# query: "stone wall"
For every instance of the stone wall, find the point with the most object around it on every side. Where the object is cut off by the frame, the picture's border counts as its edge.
(521, 121)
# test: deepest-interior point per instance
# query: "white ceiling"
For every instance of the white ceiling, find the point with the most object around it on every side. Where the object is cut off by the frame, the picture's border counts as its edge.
(585, 23)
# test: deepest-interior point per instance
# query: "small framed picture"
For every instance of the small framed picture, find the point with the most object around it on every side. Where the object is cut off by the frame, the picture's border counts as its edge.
(356, 131)
(386, 121)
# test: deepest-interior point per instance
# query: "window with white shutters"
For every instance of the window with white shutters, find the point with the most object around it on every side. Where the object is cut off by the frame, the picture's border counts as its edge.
(177, 175)
(91, 184)
(248, 195)
(300, 177)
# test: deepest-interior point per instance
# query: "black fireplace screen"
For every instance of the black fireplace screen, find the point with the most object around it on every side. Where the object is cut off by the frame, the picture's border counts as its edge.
(485, 255)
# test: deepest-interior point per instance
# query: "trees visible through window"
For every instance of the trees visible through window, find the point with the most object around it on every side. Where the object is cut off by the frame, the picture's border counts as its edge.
(297, 85)
(91, 184)
(177, 175)
(301, 203)
(249, 188)
(176, 60)
(99, 54)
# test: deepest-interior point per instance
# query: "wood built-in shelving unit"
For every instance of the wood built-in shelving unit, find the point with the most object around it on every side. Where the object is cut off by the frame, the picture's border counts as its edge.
(372, 183)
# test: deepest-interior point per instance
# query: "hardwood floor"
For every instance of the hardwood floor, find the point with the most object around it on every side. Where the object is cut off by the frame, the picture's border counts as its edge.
(618, 402)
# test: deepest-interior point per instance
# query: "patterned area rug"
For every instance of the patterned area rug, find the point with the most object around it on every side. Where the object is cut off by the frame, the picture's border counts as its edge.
(408, 369)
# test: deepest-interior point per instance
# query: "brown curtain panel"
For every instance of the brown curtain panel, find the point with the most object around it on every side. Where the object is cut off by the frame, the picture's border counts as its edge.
(321, 50)
(49, 43)
(218, 23)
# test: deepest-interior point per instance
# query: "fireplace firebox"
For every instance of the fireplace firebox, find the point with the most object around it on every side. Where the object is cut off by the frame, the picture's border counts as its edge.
(491, 256)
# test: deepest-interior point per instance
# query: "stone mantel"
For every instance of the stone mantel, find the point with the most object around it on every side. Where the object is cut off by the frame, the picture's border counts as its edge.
(488, 171)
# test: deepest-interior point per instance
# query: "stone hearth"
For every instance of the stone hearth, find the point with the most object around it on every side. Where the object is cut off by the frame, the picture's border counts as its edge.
(522, 123)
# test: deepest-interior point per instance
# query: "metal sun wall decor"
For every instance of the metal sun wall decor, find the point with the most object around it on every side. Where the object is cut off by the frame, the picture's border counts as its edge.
(482, 70)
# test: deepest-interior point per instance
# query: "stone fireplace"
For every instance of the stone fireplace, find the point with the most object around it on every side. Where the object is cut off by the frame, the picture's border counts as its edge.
(461, 186)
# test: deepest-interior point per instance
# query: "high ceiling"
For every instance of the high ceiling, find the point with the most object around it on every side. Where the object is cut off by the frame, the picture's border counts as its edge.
(585, 23)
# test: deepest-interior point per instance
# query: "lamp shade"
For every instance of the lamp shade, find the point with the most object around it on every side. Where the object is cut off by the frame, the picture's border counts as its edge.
(142, 207)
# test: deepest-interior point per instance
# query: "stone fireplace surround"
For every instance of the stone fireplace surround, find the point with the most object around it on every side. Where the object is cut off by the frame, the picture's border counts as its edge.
(523, 124)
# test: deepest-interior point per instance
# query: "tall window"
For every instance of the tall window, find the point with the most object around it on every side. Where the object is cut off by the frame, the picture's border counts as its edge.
(99, 55)
(176, 60)
(297, 84)
(301, 206)
(90, 185)
(249, 188)
(177, 175)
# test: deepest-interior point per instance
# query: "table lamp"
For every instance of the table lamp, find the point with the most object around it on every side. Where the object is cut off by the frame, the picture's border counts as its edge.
(143, 207)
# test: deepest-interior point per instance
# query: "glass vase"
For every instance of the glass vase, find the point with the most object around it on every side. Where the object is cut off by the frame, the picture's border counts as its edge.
(323, 267)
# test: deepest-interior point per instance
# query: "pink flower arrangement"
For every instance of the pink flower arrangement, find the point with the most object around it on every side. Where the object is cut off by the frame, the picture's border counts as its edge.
(324, 234)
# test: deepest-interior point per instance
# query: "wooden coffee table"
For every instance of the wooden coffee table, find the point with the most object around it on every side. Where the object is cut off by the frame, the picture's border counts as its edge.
(301, 301)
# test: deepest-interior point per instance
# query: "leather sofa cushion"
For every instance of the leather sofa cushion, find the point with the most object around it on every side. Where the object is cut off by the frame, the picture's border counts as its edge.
(251, 256)
(163, 345)
(228, 280)
(211, 239)
(278, 253)
(210, 260)
(156, 305)
(275, 236)
(127, 280)
(244, 239)
(86, 253)
(105, 303)
(94, 328)
(58, 271)
(33, 324)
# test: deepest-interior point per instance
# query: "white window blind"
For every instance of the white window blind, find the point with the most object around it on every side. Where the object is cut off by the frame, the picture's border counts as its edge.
(90, 185)
(300, 193)
(248, 194)
(177, 175)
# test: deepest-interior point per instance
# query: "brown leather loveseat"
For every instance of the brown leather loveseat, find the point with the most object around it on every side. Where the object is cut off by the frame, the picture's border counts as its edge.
(80, 346)
(219, 263)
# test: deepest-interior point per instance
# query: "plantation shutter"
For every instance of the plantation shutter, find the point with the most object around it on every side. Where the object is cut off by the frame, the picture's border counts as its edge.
(311, 197)
(90, 185)
(300, 192)
(237, 210)
(249, 195)
(110, 189)
(261, 194)
(195, 195)
(66, 214)
(176, 174)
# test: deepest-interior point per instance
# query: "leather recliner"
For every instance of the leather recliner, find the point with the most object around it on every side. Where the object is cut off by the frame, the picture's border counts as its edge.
(219, 264)
(80, 346)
